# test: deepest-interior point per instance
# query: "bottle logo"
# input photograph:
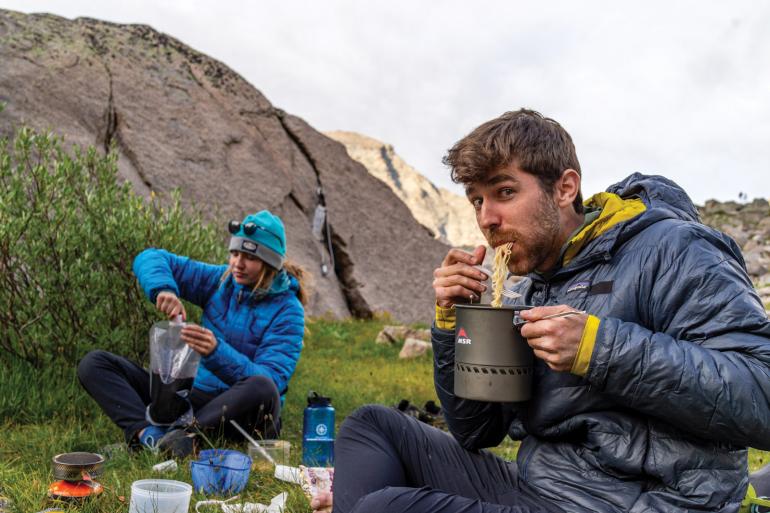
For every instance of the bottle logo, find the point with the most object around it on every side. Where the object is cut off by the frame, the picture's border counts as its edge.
(321, 429)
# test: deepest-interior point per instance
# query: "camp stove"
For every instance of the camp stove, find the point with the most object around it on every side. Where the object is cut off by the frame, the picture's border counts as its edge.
(75, 473)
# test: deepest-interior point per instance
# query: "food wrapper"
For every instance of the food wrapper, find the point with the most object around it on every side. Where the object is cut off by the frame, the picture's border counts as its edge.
(166, 466)
(316, 479)
(313, 480)
(277, 505)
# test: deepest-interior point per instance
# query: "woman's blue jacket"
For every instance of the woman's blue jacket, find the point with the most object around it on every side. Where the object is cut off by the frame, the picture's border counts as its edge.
(256, 334)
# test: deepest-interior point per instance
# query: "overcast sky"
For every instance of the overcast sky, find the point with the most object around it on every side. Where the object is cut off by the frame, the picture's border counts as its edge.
(674, 88)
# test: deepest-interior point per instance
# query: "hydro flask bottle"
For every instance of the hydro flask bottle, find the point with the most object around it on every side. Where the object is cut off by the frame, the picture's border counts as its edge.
(318, 432)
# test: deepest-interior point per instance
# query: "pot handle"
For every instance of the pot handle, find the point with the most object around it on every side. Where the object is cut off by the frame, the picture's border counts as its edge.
(517, 321)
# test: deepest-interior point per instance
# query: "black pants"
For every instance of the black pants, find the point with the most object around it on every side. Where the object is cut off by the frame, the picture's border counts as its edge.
(386, 461)
(122, 389)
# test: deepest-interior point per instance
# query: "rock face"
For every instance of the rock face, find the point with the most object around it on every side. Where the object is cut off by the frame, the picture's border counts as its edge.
(180, 119)
(448, 215)
(749, 225)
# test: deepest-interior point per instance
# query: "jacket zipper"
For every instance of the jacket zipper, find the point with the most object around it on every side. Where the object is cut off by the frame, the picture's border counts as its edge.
(524, 466)
(525, 462)
(564, 273)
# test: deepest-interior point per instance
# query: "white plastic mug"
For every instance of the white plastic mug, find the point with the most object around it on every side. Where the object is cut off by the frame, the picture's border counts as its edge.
(159, 496)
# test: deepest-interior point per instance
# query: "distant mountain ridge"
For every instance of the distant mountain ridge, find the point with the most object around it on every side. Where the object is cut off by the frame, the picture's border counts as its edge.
(448, 215)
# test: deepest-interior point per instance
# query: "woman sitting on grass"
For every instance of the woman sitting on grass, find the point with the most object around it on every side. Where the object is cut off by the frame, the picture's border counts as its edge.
(249, 341)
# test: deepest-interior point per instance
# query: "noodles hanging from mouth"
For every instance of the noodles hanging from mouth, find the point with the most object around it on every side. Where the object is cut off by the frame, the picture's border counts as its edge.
(500, 273)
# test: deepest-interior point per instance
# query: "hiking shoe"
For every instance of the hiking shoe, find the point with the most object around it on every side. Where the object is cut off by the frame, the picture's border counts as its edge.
(406, 407)
(179, 443)
(151, 435)
(432, 408)
(432, 415)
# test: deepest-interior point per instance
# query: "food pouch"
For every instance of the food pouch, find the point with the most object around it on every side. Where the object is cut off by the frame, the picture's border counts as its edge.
(173, 365)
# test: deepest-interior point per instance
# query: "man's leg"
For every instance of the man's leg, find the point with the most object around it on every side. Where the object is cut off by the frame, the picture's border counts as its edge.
(429, 500)
(119, 386)
(387, 461)
(254, 403)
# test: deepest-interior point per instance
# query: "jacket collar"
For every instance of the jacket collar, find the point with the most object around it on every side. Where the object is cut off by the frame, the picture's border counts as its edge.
(628, 207)
(613, 210)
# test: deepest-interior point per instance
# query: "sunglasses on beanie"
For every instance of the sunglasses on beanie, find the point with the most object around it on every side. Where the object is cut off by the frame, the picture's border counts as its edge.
(249, 228)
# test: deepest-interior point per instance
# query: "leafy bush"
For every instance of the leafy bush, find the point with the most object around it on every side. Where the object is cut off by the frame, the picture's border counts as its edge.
(69, 230)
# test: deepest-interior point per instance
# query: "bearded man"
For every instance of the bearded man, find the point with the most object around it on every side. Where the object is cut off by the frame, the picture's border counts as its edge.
(647, 402)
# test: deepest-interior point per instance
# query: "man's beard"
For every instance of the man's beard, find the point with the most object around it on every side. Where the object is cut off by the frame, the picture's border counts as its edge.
(533, 248)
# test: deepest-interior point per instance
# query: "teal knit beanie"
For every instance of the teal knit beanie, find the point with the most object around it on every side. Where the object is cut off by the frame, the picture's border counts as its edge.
(262, 235)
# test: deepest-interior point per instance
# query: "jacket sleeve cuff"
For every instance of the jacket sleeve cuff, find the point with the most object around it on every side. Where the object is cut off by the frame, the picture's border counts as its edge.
(586, 347)
(163, 288)
(214, 360)
(445, 317)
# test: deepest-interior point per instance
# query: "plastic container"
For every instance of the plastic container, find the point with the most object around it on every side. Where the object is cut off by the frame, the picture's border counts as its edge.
(220, 471)
(318, 432)
(159, 496)
(279, 450)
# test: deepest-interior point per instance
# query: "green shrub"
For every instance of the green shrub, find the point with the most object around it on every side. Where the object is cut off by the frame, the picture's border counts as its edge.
(69, 230)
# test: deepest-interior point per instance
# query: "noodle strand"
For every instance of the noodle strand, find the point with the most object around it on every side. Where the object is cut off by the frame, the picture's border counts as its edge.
(500, 273)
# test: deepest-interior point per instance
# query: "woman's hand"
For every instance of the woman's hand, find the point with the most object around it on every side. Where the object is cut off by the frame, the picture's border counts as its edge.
(322, 503)
(200, 339)
(169, 304)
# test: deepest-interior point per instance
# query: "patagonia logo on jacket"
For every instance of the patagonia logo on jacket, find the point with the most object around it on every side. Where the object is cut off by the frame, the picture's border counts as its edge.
(602, 287)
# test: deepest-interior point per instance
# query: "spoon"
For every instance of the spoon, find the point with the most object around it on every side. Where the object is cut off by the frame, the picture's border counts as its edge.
(253, 442)
(521, 323)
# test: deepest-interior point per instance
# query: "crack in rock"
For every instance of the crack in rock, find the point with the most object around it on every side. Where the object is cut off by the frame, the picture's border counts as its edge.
(343, 263)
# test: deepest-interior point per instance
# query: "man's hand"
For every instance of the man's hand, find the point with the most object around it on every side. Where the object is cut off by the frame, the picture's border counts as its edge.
(555, 341)
(200, 339)
(456, 281)
(322, 503)
(169, 304)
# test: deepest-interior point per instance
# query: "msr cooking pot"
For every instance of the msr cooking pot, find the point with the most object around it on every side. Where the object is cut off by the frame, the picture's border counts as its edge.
(493, 362)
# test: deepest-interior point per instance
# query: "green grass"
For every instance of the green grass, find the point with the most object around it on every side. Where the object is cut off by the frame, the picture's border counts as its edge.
(45, 412)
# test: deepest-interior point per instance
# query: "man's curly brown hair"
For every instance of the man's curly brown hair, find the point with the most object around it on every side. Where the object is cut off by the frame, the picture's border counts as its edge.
(538, 145)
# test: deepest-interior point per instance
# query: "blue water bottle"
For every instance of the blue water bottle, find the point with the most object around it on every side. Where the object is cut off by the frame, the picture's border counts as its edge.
(318, 432)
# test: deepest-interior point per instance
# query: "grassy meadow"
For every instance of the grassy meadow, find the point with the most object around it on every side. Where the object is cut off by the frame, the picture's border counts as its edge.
(44, 412)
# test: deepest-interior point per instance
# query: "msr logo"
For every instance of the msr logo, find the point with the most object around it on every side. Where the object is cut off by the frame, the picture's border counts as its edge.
(462, 337)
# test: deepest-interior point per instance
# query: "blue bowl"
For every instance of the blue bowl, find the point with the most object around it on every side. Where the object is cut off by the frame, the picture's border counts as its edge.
(220, 472)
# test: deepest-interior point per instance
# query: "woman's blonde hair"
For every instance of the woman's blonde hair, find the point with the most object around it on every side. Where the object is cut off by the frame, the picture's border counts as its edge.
(303, 279)
(268, 273)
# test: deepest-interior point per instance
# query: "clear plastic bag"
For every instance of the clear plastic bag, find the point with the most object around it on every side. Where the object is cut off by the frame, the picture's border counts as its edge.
(173, 365)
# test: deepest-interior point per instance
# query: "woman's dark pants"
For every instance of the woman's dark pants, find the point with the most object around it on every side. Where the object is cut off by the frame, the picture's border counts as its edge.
(122, 389)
